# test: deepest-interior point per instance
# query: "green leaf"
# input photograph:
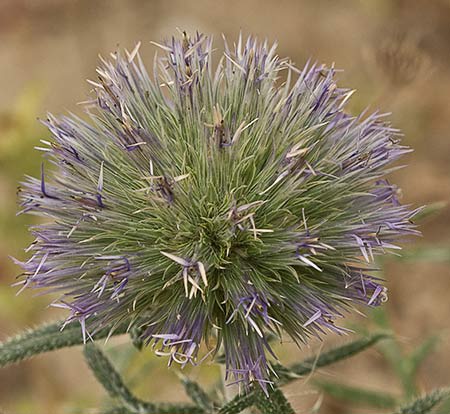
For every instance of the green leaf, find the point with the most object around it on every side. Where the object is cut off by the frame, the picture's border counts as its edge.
(275, 403)
(149, 408)
(119, 410)
(107, 375)
(357, 395)
(284, 375)
(334, 355)
(157, 409)
(396, 358)
(418, 355)
(444, 408)
(425, 404)
(406, 366)
(111, 380)
(197, 394)
(239, 403)
(48, 337)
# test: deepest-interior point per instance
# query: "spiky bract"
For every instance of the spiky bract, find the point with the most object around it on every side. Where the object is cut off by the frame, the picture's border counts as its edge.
(216, 205)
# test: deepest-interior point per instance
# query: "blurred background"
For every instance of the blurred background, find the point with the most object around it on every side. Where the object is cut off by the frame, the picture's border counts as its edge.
(396, 53)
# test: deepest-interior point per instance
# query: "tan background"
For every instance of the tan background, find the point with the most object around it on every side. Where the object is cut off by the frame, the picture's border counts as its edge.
(395, 53)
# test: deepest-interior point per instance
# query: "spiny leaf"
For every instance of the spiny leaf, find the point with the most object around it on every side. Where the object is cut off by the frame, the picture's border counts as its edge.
(444, 408)
(197, 394)
(111, 380)
(357, 395)
(240, 403)
(119, 410)
(48, 337)
(425, 404)
(156, 409)
(107, 375)
(331, 356)
(405, 366)
(149, 408)
(275, 403)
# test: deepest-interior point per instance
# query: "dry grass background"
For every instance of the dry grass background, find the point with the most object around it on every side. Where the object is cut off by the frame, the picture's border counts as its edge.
(396, 53)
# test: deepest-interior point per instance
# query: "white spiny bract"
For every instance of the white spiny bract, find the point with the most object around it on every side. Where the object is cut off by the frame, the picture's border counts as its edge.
(215, 205)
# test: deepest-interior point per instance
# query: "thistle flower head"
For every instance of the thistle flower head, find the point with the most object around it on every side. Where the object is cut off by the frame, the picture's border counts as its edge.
(215, 205)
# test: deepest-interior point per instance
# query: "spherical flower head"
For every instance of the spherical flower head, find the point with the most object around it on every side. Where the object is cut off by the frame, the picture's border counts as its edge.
(215, 205)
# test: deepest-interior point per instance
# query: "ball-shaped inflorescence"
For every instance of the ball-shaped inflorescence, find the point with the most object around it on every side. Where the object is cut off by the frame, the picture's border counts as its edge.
(215, 205)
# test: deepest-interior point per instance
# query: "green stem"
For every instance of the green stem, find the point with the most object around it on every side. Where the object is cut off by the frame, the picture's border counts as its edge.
(48, 337)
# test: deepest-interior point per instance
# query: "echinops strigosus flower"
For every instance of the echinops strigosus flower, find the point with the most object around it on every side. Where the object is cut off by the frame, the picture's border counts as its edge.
(215, 205)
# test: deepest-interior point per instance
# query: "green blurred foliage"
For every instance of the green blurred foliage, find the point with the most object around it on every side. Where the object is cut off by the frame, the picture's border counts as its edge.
(20, 131)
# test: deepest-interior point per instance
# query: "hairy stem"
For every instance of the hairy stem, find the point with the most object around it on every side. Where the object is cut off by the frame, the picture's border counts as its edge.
(48, 337)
